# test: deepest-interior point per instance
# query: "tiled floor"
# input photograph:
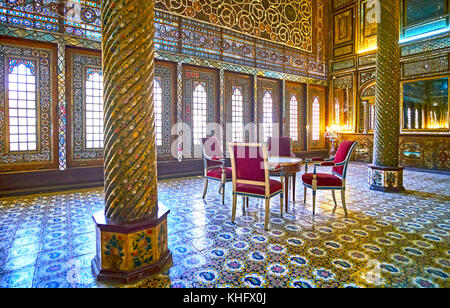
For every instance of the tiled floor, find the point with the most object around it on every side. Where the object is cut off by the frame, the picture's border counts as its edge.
(389, 240)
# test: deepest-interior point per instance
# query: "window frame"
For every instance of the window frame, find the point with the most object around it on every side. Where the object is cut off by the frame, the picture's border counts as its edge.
(53, 109)
(71, 162)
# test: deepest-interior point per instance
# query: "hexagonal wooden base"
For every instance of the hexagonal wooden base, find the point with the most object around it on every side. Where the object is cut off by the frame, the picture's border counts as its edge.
(130, 252)
(386, 178)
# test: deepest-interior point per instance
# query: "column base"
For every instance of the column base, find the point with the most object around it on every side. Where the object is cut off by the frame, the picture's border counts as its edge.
(387, 179)
(130, 252)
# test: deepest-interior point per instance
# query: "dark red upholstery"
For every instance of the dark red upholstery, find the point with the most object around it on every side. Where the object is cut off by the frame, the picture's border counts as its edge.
(211, 147)
(323, 180)
(279, 146)
(249, 163)
(217, 173)
(341, 155)
(259, 190)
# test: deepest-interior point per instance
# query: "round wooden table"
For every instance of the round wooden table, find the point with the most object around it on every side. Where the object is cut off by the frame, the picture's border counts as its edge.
(285, 167)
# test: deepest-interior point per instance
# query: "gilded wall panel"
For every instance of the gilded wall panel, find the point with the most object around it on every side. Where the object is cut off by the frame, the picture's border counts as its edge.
(367, 25)
(343, 27)
(342, 65)
(341, 3)
(428, 66)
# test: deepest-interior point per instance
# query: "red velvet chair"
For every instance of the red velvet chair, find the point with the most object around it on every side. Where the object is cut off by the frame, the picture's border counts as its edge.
(281, 146)
(250, 174)
(214, 165)
(335, 180)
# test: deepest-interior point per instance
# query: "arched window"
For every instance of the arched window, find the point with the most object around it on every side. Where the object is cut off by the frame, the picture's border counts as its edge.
(293, 118)
(267, 113)
(237, 115)
(94, 109)
(22, 106)
(157, 99)
(316, 119)
(199, 111)
(336, 112)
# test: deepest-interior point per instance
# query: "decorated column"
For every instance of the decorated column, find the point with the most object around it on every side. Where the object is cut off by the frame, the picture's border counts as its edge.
(385, 173)
(132, 231)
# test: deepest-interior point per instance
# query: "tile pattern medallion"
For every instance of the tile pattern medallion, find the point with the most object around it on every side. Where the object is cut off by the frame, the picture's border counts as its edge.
(388, 240)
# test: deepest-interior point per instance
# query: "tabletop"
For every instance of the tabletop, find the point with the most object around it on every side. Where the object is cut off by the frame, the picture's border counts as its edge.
(284, 160)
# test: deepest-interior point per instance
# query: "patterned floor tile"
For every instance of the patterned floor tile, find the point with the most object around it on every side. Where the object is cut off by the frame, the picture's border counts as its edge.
(388, 240)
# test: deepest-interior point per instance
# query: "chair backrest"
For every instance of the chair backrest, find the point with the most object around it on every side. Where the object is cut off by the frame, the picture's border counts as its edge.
(212, 148)
(343, 153)
(279, 146)
(249, 162)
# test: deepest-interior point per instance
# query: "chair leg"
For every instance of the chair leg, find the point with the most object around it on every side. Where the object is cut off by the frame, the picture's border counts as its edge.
(334, 199)
(246, 202)
(281, 205)
(314, 202)
(343, 201)
(304, 196)
(233, 213)
(205, 188)
(223, 192)
(266, 220)
(220, 188)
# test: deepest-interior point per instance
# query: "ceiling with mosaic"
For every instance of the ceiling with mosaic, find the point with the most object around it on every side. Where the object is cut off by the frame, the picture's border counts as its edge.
(282, 21)
(285, 22)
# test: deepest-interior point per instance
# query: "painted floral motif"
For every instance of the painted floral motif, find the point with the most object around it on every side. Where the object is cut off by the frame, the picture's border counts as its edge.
(390, 179)
(114, 250)
(142, 249)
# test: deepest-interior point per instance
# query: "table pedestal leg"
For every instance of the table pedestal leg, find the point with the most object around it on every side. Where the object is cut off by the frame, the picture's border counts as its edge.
(293, 186)
(286, 191)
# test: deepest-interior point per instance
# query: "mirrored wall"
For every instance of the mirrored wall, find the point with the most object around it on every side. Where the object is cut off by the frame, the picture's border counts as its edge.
(425, 104)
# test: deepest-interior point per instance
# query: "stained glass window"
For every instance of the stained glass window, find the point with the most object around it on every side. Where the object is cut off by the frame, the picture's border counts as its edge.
(199, 111)
(22, 106)
(237, 114)
(316, 119)
(157, 96)
(94, 109)
(267, 113)
(293, 123)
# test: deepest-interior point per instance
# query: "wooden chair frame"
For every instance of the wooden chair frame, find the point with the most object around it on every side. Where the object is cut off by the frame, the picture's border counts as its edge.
(329, 163)
(267, 196)
(206, 168)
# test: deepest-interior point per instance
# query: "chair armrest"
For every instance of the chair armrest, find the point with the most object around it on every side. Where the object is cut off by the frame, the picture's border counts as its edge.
(214, 158)
(324, 164)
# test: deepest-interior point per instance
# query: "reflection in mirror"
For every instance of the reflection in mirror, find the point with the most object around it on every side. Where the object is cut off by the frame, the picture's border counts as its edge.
(343, 103)
(425, 104)
(421, 10)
